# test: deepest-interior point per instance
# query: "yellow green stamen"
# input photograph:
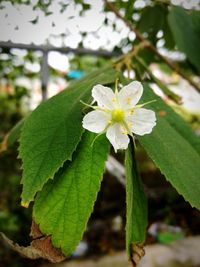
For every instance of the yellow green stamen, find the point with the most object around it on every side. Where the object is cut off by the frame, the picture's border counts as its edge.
(117, 115)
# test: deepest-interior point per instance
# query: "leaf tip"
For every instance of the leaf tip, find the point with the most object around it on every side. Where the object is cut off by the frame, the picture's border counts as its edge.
(24, 204)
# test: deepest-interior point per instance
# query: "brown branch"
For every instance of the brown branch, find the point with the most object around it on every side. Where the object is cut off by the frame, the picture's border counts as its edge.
(149, 45)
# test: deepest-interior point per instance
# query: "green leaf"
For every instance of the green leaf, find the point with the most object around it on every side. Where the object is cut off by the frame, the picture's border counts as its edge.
(177, 122)
(12, 136)
(150, 17)
(196, 20)
(186, 34)
(174, 149)
(136, 203)
(168, 36)
(63, 207)
(52, 132)
(149, 20)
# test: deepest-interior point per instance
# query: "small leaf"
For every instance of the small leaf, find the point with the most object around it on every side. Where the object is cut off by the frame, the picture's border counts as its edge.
(186, 33)
(12, 136)
(149, 19)
(136, 211)
(148, 22)
(63, 207)
(52, 132)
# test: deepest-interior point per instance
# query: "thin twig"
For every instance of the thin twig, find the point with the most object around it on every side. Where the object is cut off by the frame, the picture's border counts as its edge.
(149, 45)
(126, 59)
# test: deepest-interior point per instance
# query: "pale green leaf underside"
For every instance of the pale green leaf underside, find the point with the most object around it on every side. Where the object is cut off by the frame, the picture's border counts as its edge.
(173, 150)
(63, 207)
(51, 133)
(136, 203)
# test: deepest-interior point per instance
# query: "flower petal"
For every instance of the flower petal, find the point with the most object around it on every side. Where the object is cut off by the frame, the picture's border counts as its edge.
(104, 96)
(142, 121)
(130, 94)
(117, 138)
(96, 121)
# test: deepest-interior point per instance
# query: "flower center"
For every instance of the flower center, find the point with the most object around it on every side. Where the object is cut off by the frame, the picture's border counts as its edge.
(117, 115)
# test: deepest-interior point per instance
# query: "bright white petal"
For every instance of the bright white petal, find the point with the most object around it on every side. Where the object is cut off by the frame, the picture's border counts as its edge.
(130, 94)
(104, 96)
(117, 138)
(142, 121)
(96, 121)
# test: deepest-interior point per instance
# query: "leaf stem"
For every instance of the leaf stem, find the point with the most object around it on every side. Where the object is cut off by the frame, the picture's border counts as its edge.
(144, 104)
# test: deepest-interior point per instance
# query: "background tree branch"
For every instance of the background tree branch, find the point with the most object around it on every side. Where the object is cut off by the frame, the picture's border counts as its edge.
(151, 47)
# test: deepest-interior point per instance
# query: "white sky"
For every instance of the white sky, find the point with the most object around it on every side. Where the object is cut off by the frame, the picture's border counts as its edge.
(15, 26)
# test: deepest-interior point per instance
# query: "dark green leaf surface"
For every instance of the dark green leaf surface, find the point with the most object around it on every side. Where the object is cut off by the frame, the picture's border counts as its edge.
(63, 207)
(150, 17)
(178, 123)
(52, 132)
(186, 33)
(196, 20)
(136, 203)
(174, 149)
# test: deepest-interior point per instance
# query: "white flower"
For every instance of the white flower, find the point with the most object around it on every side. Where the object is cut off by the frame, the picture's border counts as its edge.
(117, 114)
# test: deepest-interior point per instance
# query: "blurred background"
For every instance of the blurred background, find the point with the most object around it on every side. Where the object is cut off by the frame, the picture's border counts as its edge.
(46, 44)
